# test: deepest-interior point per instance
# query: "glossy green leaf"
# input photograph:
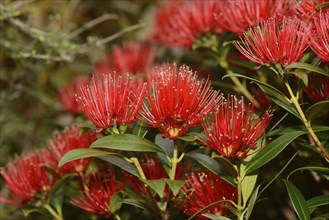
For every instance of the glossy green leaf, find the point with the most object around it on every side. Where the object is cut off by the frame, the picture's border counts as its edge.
(317, 201)
(175, 185)
(158, 185)
(165, 143)
(252, 202)
(306, 66)
(271, 150)
(208, 206)
(116, 202)
(121, 163)
(247, 186)
(215, 217)
(280, 131)
(280, 99)
(229, 167)
(80, 154)
(28, 211)
(279, 173)
(317, 110)
(312, 168)
(298, 201)
(127, 142)
(206, 161)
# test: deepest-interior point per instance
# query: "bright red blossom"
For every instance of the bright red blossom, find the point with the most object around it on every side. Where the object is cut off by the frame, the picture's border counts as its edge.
(111, 98)
(133, 57)
(202, 189)
(66, 95)
(318, 88)
(96, 194)
(305, 9)
(320, 36)
(238, 16)
(267, 43)
(176, 100)
(27, 176)
(234, 129)
(180, 23)
(71, 138)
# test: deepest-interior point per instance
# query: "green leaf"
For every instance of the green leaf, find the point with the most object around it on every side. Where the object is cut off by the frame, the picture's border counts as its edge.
(127, 142)
(208, 206)
(280, 99)
(247, 186)
(59, 183)
(280, 131)
(139, 203)
(309, 67)
(80, 154)
(271, 150)
(206, 161)
(158, 185)
(252, 202)
(28, 211)
(175, 185)
(317, 201)
(215, 217)
(165, 143)
(324, 216)
(229, 167)
(298, 201)
(317, 110)
(140, 129)
(116, 202)
(279, 173)
(121, 163)
(312, 168)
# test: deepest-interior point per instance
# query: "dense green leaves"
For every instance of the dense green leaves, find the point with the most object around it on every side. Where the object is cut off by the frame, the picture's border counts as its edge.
(271, 150)
(298, 201)
(80, 154)
(127, 142)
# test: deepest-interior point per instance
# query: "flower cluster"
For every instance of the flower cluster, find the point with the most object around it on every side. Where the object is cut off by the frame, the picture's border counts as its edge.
(318, 88)
(71, 138)
(95, 195)
(111, 99)
(180, 23)
(233, 129)
(268, 44)
(28, 176)
(176, 100)
(204, 188)
(66, 95)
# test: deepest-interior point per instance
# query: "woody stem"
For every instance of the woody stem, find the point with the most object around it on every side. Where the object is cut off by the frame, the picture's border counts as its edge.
(306, 122)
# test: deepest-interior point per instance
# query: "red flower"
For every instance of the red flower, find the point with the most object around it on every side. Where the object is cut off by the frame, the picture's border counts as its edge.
(263, 100)
(269, 44)
(234, 129)
(71, 138)
(305, 9)
(27, 177)
(97, 191)
(237, 16)
(180, 23)
(110, 99)
(202, 189)
(133, 57)
(320, 37)
(67, 97)
(176, 100)
(318, 88)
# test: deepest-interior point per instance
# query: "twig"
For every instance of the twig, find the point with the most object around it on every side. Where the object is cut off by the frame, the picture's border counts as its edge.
(91, 24)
